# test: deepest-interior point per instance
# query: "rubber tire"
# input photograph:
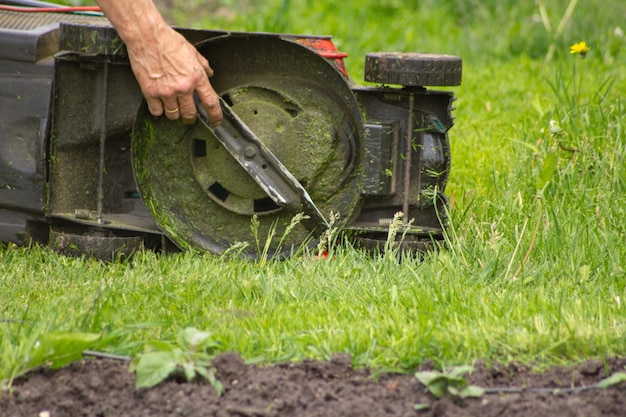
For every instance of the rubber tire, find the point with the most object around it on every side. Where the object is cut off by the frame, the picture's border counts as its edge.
(413, 69)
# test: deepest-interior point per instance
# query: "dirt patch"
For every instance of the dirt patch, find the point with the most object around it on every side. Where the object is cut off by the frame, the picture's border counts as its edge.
(104, 387)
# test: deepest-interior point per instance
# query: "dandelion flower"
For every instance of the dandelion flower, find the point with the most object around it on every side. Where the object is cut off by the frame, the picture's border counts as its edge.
(580, 48)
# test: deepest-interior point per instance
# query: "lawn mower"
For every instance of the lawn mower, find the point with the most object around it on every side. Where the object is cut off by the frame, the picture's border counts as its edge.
(303, 149)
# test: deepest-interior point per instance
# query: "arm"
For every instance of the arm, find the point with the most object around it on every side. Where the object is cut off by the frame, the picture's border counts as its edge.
(167, 67)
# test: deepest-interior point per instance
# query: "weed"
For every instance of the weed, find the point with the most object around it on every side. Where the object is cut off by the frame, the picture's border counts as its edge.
(54, 349)
(190, 355)
(448, 384)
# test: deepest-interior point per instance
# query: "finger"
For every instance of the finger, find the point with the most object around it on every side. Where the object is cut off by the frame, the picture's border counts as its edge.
(155, 106)
(210, 100)
(171, 109)
(188, 110)
(205, 65)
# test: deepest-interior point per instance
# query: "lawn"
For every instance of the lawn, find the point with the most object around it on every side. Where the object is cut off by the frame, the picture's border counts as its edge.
(534, 267)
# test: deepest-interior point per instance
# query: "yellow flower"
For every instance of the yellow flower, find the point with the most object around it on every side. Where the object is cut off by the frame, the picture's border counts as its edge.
(580, 48)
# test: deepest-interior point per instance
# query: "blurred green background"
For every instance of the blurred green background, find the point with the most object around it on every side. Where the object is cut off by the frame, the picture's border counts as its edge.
(476, 29)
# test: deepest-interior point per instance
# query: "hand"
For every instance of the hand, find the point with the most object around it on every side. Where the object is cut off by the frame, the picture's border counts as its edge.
(169, 70)
(167, 67)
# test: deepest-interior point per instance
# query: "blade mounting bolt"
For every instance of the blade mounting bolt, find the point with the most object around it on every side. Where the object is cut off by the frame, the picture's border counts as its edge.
(249, 151)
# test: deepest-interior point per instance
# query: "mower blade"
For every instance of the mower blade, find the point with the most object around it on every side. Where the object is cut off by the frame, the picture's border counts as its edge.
(263, 166)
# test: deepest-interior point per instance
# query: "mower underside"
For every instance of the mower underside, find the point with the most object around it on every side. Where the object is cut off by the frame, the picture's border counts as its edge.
(86, 168)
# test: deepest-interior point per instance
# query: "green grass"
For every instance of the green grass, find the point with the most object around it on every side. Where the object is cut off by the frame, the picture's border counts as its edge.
(534, 270)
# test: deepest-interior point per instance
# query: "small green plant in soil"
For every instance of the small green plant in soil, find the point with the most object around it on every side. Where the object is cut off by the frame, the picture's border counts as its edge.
(448, 384)
(615, 379)
(453, 385)
(190, 356)
(54, 349)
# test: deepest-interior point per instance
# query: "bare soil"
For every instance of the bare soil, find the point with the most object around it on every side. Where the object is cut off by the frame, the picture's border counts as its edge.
(104, 387)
